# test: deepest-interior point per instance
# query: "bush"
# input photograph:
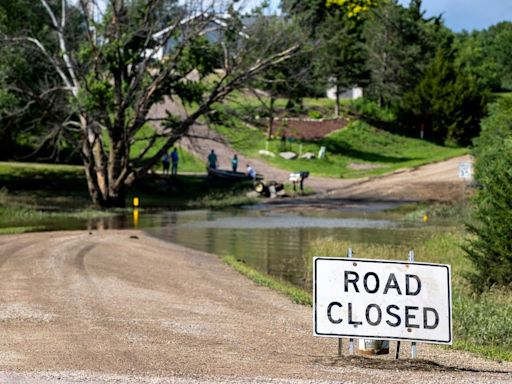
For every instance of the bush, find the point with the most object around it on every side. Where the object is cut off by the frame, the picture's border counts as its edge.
(491, 248)
(315, 114)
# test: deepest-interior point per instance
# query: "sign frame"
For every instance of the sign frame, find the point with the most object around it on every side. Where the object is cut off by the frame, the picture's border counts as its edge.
(447, 268)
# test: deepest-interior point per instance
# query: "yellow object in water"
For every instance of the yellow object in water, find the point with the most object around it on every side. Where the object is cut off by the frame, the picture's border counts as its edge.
(136, 201)
(425, 218)
(135, 217)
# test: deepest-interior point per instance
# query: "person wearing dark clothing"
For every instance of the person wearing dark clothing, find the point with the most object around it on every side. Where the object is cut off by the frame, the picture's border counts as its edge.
(165, 163)
(212, 160)
(174, 162)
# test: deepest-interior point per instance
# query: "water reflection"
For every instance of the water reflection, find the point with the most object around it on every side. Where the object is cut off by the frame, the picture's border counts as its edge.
(277, 244)
(274, 243)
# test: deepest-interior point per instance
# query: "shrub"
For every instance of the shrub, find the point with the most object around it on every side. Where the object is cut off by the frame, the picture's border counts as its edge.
(491, 248)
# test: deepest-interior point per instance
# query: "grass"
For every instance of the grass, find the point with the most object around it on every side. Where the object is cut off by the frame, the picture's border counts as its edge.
(297, 295)
(187, 161)
(357, 151)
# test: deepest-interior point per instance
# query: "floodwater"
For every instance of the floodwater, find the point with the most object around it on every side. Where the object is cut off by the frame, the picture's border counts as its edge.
(274, 242)
(280, 243)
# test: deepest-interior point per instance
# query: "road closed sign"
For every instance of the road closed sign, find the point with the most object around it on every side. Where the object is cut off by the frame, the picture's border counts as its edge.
(376, 299)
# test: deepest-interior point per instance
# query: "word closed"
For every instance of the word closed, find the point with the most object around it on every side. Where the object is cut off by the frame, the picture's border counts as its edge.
(382, 300)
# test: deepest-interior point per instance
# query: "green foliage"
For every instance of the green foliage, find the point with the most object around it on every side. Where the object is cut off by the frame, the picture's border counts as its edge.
(485, 55)
(491, 248)
(400, 42)
(446, 104)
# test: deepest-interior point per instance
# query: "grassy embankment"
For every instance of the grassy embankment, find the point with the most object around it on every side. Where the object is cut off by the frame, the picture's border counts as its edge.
(33, 194)
(481, 323)
(358, 150)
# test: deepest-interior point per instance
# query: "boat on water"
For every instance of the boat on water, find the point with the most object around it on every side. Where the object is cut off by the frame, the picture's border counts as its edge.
(230, 175)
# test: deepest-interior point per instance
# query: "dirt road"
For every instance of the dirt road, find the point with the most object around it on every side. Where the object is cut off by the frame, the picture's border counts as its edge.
(120, 307)
(433, 182)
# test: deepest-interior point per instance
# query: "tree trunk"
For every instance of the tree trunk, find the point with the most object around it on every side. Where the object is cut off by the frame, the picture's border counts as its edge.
(337, 105)
(105, 179)
(271, 118)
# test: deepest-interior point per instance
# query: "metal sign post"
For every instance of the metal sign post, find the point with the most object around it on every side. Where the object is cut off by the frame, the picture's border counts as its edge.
(350, 341)
(413, 344)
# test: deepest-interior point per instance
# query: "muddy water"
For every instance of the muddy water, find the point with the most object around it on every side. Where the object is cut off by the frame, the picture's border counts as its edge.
(279, 243)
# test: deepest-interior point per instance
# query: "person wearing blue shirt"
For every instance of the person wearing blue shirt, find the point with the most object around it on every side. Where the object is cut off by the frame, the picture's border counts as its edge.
(165, 163)
(251, 172)
(174, 161)
(234, 162)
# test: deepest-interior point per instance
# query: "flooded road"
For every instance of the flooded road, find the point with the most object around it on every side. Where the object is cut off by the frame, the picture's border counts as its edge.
(276, 242)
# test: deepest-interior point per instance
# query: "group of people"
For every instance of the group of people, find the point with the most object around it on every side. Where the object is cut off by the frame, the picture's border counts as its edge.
(170, 160)
(213, 163)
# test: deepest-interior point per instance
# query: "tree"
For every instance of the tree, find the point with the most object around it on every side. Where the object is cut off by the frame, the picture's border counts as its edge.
(114, 76)
(341, 56)
(446, 105)
(291, 79)
(31, 103)
(400, 42)
(490, 250)
(485, 55)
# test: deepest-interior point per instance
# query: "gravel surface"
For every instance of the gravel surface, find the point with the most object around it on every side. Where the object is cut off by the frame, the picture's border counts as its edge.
(121, 307)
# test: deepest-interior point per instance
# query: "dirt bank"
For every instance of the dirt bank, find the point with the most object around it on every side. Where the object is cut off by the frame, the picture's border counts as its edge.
(118, 306)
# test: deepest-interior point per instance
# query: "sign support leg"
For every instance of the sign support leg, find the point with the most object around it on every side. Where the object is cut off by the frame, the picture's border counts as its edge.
(351, 341)
(413, 344)
(397, 353)
(340, 346)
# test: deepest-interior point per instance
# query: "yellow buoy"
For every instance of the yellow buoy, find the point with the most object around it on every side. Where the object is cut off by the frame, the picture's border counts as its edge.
(136, 201)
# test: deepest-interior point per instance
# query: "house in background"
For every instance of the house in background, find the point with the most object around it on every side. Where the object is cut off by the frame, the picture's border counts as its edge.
(346, 94)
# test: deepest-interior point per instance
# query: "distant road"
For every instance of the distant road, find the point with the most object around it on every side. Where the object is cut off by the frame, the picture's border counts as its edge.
(121, 307)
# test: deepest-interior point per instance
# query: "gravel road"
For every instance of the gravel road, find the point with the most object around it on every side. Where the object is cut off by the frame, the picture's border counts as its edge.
(121, 307)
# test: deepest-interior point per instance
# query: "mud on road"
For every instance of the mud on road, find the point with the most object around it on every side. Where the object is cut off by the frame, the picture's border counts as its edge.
(121, 307)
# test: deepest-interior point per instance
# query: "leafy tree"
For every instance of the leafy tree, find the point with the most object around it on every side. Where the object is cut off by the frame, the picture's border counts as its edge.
(446, 105)
(114, 76)
(291, 79)
(32, 104)
(485, 55)
(400, 42)
(491, 249)
(341, 56)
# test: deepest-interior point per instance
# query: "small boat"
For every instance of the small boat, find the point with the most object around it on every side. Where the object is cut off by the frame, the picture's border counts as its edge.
(230, 175)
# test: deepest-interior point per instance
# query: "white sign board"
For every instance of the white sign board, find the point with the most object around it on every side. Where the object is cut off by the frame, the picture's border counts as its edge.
(376, 299)
(465, 171)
